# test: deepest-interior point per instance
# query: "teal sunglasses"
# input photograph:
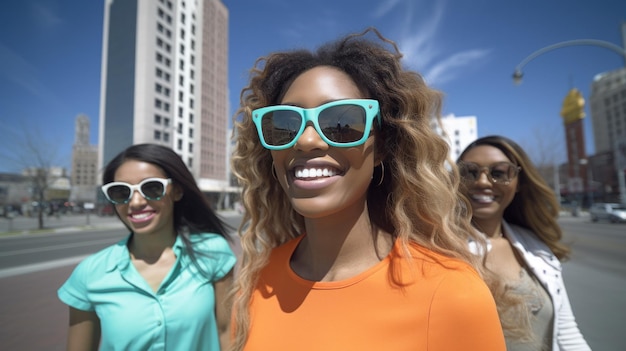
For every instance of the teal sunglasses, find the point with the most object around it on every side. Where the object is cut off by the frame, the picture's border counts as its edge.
(341, 123)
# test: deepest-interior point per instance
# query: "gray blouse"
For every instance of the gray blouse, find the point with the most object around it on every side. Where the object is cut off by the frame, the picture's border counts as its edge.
(539, 303)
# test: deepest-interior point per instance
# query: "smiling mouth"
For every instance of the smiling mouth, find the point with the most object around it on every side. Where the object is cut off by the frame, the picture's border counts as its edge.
(314, 172)
(483, 199)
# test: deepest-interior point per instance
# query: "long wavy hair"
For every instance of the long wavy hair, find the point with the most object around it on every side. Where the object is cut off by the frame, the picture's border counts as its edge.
(417, 200)
(192, 213)
(534, 207)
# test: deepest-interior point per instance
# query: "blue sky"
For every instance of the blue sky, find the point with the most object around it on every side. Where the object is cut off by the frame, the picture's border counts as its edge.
(50, 53)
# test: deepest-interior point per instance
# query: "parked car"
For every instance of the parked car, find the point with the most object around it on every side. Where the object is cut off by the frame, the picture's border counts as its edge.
(611, 211)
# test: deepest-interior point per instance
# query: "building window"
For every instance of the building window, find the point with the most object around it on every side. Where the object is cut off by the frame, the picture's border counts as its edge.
(190, 162)
(157, 119)
(157, 135)
(157, 103)
(190, 147)
(166, 137)
(190, 103)
(166, 122)
(191, 118)
(190, 133)
(180, 128)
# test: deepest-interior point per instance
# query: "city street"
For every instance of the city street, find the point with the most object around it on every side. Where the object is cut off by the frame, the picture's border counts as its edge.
(33, 266)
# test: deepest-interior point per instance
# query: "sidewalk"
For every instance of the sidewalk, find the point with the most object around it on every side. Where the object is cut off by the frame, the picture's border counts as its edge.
(29, 225)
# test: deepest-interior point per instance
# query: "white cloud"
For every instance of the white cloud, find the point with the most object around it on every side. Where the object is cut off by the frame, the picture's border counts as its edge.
(45, 16)
(384, 7)
(21, 73)
(453, 66)
(423, 50)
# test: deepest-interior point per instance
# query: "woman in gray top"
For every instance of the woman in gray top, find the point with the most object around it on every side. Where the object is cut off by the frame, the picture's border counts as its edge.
(517, 212)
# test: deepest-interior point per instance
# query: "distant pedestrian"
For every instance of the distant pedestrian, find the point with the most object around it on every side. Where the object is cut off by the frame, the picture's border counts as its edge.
(165, 286)
(353, 224)
(517, 211)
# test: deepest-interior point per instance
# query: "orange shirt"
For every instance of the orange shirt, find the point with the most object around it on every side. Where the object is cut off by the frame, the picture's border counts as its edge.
(442, 305)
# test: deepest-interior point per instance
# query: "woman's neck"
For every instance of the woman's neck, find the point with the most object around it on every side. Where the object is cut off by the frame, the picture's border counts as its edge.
(491, 228)
(338, 247)
(150, 247)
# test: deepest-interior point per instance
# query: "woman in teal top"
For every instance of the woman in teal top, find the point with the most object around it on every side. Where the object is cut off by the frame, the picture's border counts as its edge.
(166, 286)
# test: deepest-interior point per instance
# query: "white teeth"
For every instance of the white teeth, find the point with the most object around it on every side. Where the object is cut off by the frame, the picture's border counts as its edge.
(482, 198)
(314, 172)
(141, 215)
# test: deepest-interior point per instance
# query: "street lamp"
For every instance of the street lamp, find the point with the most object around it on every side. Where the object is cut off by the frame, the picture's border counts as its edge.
(518, 74)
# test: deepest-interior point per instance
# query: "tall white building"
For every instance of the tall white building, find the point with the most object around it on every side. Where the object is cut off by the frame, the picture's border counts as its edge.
(608, 110)
(164, 81)
(457, 131)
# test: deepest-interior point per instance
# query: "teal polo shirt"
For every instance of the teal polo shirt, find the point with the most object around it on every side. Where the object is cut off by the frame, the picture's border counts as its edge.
(179, 316)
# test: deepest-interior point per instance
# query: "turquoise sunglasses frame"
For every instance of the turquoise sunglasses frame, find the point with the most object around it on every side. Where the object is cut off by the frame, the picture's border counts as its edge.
(371, 108)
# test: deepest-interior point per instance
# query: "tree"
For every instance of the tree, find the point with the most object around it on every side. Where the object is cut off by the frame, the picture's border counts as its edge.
(546, 150)
(32, 155)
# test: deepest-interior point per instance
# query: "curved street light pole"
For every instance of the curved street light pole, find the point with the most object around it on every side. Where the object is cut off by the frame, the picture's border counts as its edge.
(519, 74)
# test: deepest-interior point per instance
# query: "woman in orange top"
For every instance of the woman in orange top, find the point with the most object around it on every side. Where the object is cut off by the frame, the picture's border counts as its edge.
(353, 237)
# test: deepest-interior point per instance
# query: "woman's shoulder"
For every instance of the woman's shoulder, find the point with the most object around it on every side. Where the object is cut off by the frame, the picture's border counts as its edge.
(438, 260)
(105, 258)
(209, 241)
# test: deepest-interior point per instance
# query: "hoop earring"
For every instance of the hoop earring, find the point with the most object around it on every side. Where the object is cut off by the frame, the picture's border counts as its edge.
(382, 174)
(274, 172)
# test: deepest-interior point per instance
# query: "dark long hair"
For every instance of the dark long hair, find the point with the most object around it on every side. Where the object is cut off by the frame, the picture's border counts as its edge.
(192, 213)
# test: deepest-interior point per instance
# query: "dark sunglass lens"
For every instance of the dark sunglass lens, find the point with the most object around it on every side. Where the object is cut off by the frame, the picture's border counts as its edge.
(501, 172)
(469, 171)
(153, 190)
(119, 193)
(280, 127)
(343, 123)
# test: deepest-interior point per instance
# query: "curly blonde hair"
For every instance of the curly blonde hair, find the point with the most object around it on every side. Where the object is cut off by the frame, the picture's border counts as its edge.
(534, 207)
(417, 199)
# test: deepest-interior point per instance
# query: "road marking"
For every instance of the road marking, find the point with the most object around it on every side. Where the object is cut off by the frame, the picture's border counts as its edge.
(42, 266)
(55, 247)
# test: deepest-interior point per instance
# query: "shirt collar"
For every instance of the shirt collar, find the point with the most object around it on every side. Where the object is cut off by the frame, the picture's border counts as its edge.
(120, 256)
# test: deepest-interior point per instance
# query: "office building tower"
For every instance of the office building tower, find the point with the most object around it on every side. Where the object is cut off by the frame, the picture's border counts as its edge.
(84, 175)
(164, 81)
(608, 116)
(608, 109)
(457, 131)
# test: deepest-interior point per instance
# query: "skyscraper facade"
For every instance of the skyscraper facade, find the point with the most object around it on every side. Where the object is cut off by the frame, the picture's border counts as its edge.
(164, 81)
(608, 109)
(608, 116)
(84, 164)
(459, 132)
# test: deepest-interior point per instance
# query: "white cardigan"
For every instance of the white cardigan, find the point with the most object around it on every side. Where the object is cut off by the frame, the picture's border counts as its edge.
(547, 268)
